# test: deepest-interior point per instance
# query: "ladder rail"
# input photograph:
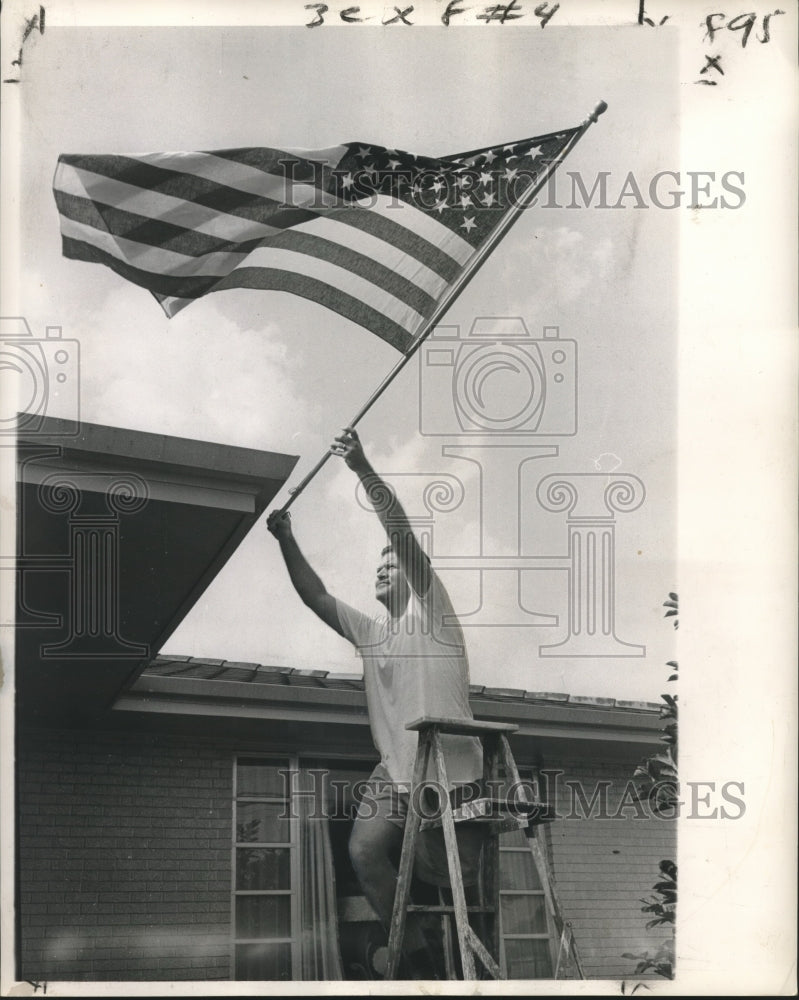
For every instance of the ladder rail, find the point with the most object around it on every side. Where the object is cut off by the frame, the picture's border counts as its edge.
(400, 910)
(496, 750)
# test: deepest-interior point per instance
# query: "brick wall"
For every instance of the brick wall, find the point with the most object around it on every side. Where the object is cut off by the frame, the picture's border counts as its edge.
(124, 858)
(604, 865)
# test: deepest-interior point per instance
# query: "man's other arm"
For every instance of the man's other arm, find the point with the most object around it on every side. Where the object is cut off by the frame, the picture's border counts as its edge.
(305, 581)
(412, 559)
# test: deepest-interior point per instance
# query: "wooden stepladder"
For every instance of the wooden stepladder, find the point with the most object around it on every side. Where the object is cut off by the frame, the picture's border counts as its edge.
(500, 813)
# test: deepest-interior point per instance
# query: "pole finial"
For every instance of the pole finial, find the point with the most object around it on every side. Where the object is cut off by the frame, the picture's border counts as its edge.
(600, 109)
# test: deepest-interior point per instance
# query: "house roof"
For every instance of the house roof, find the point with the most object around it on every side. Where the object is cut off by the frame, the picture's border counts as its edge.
(284, 707)
(119, 533)
(200, 668)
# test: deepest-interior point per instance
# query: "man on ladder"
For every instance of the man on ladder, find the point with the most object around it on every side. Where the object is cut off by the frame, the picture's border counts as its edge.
(415, 665)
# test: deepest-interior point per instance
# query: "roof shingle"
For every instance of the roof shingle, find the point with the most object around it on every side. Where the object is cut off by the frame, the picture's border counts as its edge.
(201, 668)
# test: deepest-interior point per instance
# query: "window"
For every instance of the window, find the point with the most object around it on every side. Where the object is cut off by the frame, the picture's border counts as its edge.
(297, 910)
(265, 875)
(525, 926)
(284, 885)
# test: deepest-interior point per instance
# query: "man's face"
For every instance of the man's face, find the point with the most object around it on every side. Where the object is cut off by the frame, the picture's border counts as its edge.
(391, 587)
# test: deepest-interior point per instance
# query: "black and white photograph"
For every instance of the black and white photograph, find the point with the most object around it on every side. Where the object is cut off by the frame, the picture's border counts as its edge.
(397, 568)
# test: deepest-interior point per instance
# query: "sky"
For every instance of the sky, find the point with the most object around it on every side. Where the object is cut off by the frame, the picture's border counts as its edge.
(270, 371)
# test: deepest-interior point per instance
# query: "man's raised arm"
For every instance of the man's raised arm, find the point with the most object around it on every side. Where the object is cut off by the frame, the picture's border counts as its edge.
(307, 584)
(412, 559)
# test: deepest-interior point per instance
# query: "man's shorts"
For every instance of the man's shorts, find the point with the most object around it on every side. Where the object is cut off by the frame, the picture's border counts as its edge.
(383, 799)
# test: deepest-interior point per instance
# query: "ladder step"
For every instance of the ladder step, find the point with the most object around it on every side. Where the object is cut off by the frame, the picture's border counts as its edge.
(494, 825)
(441, 908)
(462, 727)
(497, 810)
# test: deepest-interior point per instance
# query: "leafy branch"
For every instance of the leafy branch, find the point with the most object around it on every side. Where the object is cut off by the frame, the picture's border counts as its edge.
(659, 788)
(661, 963)
(660, 784)
(673, 605)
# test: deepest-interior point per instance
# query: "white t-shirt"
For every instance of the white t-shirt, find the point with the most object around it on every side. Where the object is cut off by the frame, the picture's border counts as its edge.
(415, 666)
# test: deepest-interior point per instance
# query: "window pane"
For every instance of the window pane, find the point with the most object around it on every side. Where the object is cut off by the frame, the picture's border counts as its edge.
(515, 838)
(263, 916)
(260, 777)
(517, 870)
(523, 915)
(262, 868)
(345, 789)
(528, 960)
(263, 961)
(259, 822)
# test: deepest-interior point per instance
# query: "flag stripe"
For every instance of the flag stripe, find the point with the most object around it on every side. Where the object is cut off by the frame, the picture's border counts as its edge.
(397, 314)
(158, 260)
(156, 232)
(129, 226)
(166, 284)
(396, 222)
(270, 175)
(171, 167)
(340, 255)
(101, 174)
(306, 161)
(177, 211)
(418, 222)
(330, 296)
(404, 263)
(333, 298)
(223, 185)
(337, 276)
(172, 304)
(402, 237)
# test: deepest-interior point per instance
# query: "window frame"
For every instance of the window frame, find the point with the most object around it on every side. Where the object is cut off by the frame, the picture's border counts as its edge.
(551, 935)
(290, 765)
(548, 935)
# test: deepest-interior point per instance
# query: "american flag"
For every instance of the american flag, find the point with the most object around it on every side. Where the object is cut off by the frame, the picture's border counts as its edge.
(377, 235)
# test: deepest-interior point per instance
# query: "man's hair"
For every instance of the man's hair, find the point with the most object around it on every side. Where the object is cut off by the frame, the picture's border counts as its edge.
(390, 548)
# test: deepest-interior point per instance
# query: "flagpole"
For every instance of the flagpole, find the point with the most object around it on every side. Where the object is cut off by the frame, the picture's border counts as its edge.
(468, 273)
